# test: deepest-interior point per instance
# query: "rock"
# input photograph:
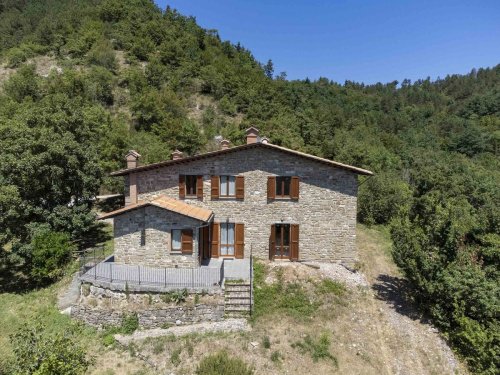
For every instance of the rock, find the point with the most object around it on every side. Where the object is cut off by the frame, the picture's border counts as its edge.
(178, 322)
(254, 344)
(66, 311)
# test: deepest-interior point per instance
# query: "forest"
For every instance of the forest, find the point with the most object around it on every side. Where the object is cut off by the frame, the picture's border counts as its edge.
(129, 75)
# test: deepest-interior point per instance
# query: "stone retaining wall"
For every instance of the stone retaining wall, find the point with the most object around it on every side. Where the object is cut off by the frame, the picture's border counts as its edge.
(154, 318)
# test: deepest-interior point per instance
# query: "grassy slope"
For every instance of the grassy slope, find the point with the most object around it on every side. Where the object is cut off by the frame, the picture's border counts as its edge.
(367, 334)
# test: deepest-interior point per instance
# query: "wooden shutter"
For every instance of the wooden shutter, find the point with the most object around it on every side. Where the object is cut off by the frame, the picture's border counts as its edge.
(215, 240)
(271, 187)
(294, 242)
(272, 241)
(215, 187)
(294, 188)
(239, 241)
(182, 186)
(240, 187)
(187, 241)
(199, 187)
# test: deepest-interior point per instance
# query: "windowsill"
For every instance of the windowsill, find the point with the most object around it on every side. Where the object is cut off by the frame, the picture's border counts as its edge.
(176, 252)
(191, 197)
(228, 198)
(283, 199)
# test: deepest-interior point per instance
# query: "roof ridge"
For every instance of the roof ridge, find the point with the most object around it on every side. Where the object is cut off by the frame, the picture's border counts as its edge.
(187, 159)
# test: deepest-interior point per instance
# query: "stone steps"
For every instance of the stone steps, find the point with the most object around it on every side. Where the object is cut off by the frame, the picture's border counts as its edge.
(237, 299)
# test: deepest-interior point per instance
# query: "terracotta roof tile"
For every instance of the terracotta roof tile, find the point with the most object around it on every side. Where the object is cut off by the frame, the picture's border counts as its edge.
(169, 204)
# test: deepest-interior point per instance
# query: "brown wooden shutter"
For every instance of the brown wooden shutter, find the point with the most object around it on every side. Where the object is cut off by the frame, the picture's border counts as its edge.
(239, 241)
(294, 242)
(182, 186)
(215, 240)
(187, 241)
(272, 241)
(199, 187)
(215, 187)
(240, 187)
(294, 188)
(271, 187)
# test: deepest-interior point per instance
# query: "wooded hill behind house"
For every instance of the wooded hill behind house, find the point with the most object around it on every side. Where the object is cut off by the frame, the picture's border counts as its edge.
(127, 75)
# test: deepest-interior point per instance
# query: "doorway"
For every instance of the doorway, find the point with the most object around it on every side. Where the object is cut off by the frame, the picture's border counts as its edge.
(281, 241)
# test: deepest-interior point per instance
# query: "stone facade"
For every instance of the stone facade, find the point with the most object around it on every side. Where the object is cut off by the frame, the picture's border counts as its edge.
(142, 237)
(325, 211)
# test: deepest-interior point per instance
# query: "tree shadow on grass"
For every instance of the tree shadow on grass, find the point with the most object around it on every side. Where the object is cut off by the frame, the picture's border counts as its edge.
(395, 291)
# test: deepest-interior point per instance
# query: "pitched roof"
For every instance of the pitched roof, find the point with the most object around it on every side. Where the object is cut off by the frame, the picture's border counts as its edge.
(166, 203)
(332, 163)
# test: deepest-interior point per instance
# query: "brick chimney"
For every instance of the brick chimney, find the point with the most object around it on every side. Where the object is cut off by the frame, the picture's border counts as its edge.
(224, 144)
(252, 135)
(176, 155)
(132, 158)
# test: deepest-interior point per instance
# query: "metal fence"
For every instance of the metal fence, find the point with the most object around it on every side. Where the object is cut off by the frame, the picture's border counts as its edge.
(94, 266)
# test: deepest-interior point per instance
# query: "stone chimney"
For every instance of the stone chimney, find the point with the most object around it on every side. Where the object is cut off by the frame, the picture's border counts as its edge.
(176, 155)
(252, 135)
(264, 140)
(224, 144)
(132, 158)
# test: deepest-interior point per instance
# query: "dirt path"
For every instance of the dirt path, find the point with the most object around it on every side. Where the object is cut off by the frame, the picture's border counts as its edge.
(410, 345)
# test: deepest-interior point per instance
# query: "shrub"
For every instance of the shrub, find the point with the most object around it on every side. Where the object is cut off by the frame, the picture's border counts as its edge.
(102, 54)
(130, 323)
(175, 357)
(221, 364)
(36, 352)
(317, 349)
(50, 253)
(276, 357)
(266, 342)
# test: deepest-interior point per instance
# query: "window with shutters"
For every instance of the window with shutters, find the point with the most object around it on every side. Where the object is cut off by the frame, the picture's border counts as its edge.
(283, 186)
(227, 186)
(190, 185)
(176, 239)
(227, 239)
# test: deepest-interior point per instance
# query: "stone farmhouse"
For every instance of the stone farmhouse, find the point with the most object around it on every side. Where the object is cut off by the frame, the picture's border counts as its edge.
(257, 198)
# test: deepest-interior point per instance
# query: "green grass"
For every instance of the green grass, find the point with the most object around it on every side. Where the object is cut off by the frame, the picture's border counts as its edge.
(317, 349)
(328, 286)
(280, 298)
(18, 309)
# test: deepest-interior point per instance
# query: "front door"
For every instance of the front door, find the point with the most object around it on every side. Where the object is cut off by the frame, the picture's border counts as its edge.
(282, 241)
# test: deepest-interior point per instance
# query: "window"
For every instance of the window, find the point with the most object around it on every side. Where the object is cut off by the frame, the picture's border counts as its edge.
(227, 239)
(283, 186)
(227, 186)
(191, 186)
(176, 237)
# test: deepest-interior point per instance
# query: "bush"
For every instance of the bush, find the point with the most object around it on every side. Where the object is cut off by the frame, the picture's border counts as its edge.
(50, 253)
(102, 54)
(130, 323)
(317, 349)
(221, 364)
(41, 354)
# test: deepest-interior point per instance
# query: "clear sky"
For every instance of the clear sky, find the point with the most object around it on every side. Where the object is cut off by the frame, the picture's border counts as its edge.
(360, 40)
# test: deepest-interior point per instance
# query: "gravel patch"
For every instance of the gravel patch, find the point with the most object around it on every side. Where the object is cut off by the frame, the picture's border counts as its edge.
(227, 325)
(339, 273)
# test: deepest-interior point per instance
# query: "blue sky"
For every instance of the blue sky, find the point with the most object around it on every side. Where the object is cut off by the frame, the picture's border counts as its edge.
(365, 41)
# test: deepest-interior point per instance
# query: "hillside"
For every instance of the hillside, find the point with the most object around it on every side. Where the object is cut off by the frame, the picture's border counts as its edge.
(82, 82)
(369, 331)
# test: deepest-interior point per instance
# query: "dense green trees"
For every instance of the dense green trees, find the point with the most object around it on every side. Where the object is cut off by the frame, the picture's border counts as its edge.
(132, 76)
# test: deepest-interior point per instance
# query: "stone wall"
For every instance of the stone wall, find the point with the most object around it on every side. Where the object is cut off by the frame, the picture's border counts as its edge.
(100, 307)
(325, 211)
(152, 318)
(142, 236)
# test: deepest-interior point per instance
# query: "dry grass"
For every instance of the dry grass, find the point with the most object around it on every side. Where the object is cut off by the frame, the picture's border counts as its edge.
(368, 335)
